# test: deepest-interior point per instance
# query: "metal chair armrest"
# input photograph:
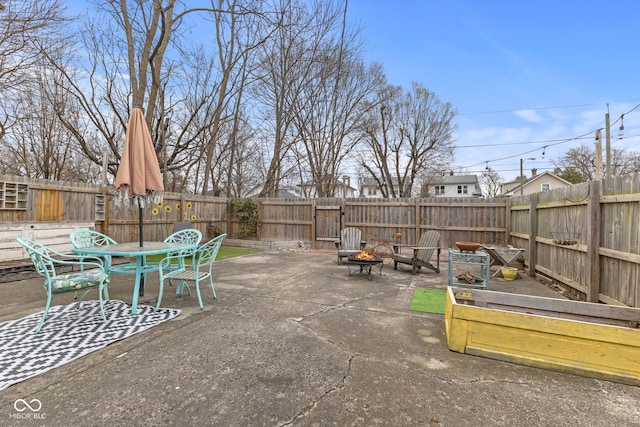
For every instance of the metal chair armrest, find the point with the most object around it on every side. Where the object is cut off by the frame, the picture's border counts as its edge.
(81, 260)
(397, 246)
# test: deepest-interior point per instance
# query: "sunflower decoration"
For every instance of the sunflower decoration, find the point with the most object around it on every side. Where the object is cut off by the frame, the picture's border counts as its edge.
(161, 210)
(188, 212)
(155, 211)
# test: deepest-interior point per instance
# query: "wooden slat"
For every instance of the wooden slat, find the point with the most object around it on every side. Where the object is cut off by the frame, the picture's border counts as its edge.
(563, 214)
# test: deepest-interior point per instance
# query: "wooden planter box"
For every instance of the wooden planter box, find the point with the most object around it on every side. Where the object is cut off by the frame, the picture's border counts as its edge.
(595, 340)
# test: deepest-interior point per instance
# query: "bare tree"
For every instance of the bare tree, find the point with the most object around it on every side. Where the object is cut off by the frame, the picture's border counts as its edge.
(235, 38)
(378, 136)
(38, 145)
(578, 164)
(24, 25)
(329, 107)
(136, 56)
(490, 181)
(412, 136)
(285, 67)
(124, 46)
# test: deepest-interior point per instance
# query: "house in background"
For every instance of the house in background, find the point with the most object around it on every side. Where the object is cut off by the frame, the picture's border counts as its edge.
(371, 190)
(456, 186)
(538, 182)
(343, 189)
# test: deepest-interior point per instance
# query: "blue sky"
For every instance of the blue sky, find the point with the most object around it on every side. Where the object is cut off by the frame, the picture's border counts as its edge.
(521, 74)
(525, 77)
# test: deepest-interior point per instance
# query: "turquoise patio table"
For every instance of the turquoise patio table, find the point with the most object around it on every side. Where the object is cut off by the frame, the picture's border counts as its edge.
(133, 249)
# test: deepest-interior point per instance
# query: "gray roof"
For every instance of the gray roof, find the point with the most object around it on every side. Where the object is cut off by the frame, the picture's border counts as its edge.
(458, 179)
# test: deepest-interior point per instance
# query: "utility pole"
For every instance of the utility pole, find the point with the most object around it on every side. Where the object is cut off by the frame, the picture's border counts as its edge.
(608, 144)
(521, 178)
(598, 156)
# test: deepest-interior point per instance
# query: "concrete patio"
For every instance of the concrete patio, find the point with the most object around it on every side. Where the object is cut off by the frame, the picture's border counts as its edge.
(293, 339)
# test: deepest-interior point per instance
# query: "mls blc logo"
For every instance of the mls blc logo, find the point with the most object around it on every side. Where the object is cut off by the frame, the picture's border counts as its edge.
(22, 406)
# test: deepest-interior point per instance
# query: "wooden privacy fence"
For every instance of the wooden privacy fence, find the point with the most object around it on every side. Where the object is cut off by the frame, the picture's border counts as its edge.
(585, 236)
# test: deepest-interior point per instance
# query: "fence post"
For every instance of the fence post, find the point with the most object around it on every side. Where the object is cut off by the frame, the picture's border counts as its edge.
(507, 220)
(593, 243)
(229, 219)
(533, 232)
(107, 209)
(312, 215)
(418, 231)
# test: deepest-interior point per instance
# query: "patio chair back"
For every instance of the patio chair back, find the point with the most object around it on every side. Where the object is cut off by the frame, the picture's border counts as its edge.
(350, 242)
(429, 242)
(421, 257)
(188, 235)
(86, 238)
(92, 274)
(200, 268)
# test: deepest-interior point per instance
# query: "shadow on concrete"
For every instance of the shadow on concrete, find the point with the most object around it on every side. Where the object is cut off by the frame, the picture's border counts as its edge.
(293, 339)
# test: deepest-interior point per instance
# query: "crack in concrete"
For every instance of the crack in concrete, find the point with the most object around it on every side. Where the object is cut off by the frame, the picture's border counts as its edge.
(340, 384)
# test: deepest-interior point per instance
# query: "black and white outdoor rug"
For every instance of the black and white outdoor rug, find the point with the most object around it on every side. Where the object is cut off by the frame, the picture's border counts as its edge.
(68, 333)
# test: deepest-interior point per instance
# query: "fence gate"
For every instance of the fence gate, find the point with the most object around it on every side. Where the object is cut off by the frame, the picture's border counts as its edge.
(328, 223)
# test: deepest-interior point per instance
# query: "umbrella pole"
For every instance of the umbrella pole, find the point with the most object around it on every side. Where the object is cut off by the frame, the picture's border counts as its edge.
(140, 224)
(141, 240)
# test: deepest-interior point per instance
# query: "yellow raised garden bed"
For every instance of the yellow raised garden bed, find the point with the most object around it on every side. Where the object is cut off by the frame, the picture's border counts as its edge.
(594, 340)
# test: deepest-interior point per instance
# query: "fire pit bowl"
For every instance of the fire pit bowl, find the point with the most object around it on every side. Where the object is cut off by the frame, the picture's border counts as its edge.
(364, 256)
(468, 246)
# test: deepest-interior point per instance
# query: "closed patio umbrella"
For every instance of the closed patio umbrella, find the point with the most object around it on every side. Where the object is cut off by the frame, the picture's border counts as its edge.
(138, 180)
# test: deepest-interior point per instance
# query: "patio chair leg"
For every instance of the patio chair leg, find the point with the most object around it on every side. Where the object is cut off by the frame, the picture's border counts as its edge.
(180, 287)
(213, 290)
(44, 315)
(185, 285)
(160, 291)
(102, 289)
(198, 293)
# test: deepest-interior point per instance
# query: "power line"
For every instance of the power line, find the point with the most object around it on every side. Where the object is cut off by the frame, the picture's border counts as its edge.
(542, 141)
(525, 109)
(533, 151)
(555, 142)
(514, 143)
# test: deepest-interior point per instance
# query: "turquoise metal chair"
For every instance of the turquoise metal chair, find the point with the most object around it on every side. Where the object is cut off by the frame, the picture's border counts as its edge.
(92, 274)
(86, 238)
(199, 269)
(187, 235)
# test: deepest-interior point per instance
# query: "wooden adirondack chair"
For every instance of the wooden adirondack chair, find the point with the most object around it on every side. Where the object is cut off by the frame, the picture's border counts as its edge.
(421, 257)
(350, 242)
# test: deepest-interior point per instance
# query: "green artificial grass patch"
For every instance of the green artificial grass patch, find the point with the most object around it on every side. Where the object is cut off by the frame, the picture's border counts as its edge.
(225, 253)
(429, 300)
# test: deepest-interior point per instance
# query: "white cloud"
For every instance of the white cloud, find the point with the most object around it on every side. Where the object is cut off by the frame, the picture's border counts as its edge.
(529, 115)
